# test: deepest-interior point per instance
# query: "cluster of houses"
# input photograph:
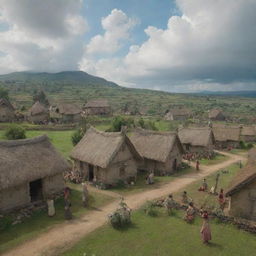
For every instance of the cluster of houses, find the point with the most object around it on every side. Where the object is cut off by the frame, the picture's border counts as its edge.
(39, 113)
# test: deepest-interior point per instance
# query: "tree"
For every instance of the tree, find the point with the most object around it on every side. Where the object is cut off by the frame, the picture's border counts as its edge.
(15, 132)
(4, 93)
(41, 97)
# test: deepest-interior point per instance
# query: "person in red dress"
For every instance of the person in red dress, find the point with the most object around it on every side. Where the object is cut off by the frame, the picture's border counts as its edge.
(205, 230)
(221, 199)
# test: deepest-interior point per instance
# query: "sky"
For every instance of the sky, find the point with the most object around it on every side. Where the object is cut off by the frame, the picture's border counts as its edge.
(170, 45)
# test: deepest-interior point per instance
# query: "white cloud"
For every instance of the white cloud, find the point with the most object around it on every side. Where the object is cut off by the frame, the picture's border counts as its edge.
(117, 28)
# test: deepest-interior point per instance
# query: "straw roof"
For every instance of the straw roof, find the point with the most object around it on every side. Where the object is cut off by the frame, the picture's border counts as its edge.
(27, 160)
(154, 145)
(226, 133)
(248, 131)
(246, 176)
(179, 112)
(38, 109)
(214, 113)
(99, 103)
(5, 102)
(99, 148)
(196, 136)
(68, 109)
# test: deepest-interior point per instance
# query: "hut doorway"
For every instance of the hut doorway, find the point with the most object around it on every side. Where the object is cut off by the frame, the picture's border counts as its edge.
(36, 190)
(91, 173)
(174, 166)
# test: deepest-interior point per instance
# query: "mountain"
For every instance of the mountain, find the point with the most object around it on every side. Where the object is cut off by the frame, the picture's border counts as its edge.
(65, 77)
(250, 94)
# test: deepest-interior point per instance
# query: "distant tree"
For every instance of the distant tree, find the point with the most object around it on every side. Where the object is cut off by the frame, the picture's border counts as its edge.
(41, 97)
(77, 136)
(4, 93)
(120, 121)
(15, 132)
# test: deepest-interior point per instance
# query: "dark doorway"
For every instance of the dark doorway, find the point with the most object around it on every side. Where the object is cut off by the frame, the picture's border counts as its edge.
(91, 173)
(175, 164)
(36, 190)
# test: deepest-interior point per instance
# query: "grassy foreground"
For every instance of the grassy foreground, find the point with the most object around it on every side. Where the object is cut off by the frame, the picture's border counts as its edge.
(12, 236)
(164, 236)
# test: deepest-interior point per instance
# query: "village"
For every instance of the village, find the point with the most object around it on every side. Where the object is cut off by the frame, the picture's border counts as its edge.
(60, 195)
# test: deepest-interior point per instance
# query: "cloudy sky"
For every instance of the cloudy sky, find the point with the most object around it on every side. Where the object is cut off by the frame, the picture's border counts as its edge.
(182, 45)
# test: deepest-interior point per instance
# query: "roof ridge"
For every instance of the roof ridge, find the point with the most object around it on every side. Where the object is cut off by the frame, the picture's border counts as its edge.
(144, 131)
(30, 141)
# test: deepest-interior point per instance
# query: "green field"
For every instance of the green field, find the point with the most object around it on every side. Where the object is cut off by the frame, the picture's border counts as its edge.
(12, 236)
(164, 236)
(216, 160)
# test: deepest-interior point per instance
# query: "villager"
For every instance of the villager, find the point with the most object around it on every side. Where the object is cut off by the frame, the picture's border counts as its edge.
(68, 213)
(190, 213)
(150, 178)
(205, 230)
(51, 208)
(85, 195)
(169, 204)
(204, 186)
(197, 165)
(221, 199)
(184, 198)
(66, 194)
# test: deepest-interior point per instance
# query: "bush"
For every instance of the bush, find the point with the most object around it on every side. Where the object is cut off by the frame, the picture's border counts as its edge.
(15, 132)
(150, 209)
(242, 145)
(120, 121)
(77, 136)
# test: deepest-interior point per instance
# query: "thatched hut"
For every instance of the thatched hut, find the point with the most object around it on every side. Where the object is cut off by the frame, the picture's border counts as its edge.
(248, 134)
(242, 193)
(216, 115)
(161, 151)
(105, 157)
(227, 136)
(7, 112)
(177, 114)
(197, 140)
(30, 171)
(38, 114)
(66, 113)
(97, 107)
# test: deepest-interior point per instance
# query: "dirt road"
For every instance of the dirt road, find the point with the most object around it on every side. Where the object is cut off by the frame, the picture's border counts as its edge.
(63, 236)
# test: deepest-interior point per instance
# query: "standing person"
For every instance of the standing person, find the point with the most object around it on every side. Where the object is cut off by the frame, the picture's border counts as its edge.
(68, 213)
(197, 165)
(221, 199)
(184, 197)
(169, 204)
(51, 208)
(66, 193)
(205, 230)
(190, 213)
(85, 195)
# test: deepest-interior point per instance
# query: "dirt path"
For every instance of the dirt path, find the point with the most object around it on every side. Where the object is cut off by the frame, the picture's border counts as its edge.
(64, 235)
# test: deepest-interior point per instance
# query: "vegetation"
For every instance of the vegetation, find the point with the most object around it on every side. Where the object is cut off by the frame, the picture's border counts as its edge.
(216, 160)
(4, 93)
(15, 132)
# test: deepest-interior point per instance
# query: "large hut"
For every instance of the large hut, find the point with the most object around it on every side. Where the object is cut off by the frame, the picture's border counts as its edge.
(97, 107)
(248, 134)
(161, 151)
(227, 137)
(38, 114)
(197, 140)
(105, 157)
(216, 115)
(31, 170)
(242, 193)
(66, 113)
(177, 114)
(7, 112)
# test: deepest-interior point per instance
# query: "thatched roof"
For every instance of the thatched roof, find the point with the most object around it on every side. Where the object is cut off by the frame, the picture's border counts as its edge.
(27, 160)
(196, 136)
(248, 131)
(38, 109)
(99, 148)
(68, 109)
(154, 145)
(226, 133)
(7, 103)
(214, 113)
(245, 176)
(179, 112)
(99, 103)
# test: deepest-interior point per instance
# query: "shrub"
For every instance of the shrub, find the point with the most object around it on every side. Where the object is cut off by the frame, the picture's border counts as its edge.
(15, 132)
(242, 145)
(77, 136)
(249, 146)
(150, 209)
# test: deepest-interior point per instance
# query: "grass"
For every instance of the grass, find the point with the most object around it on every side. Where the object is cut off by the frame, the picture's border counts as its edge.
(216, 160)
(141, 185)
(164, 236)
(12, 236)
(201, 198)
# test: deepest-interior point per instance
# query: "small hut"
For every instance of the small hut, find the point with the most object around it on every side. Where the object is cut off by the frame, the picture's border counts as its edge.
(105, 157)
(248, 134)
(177, 114)
(97, 107)
(216, 115)
(66, 113)
(7, 112)
(31, 170)
(227, 136)
(38, 114)
(161, 151)
(197, 140)
(242, 193)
